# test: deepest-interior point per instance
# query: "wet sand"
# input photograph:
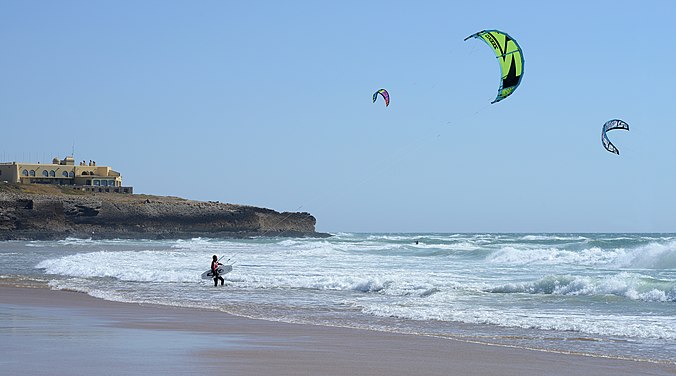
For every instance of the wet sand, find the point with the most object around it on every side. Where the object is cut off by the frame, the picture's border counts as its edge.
(45, 332)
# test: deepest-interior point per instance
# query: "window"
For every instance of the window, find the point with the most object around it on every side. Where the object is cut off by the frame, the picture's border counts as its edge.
(111, 183)
(24, 172)
(32, 173)
(104, 183)
(45, 173)
(52, 173)
(71, 174)
(65, 174)
(97, 182)
(89, 182)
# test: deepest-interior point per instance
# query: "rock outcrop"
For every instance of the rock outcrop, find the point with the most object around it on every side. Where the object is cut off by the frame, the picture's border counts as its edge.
(30, 212)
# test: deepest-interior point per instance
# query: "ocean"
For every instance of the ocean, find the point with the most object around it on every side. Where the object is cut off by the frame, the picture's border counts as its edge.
(611, 295)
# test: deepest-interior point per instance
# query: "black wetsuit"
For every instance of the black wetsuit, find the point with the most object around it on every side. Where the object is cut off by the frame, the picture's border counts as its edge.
(214, 271)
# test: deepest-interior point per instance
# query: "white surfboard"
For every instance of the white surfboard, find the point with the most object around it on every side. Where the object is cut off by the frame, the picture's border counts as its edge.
(222, 269)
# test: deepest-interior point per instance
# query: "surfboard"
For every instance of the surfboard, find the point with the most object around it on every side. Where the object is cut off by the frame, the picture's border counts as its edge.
(222, 269)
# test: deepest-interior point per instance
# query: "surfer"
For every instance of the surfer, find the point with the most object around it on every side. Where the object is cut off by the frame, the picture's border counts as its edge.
(214, 270)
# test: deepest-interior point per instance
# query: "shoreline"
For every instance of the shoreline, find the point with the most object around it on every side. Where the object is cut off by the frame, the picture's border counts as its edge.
(77, 333)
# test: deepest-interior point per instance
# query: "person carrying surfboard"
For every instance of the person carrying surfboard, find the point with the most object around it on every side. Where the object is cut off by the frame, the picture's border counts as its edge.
(214, 271)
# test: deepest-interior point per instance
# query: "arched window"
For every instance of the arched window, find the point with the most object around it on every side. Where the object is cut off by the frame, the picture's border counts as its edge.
(65, 174)
(32, 173)
(24, 172)
(45, 173)
(52, 173)
(71, 174)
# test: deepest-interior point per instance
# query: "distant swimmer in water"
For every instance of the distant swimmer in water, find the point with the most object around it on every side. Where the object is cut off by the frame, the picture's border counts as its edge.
(214, 270)
(416, 242)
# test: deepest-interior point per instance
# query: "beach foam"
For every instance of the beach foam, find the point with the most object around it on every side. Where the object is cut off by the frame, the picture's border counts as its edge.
(621, 286)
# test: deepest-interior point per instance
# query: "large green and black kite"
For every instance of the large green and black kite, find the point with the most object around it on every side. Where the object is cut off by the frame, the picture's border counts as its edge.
(509, 56)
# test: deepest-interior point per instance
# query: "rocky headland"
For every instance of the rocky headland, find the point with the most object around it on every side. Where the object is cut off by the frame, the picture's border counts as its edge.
(45, 212)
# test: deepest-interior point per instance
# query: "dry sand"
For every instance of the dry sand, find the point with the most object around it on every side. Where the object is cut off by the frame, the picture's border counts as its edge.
(45, 332)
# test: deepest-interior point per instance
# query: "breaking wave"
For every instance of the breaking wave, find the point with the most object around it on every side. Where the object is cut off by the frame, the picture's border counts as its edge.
(629, 285)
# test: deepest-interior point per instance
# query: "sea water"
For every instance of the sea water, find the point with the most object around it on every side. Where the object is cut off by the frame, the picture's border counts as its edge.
(608, 295)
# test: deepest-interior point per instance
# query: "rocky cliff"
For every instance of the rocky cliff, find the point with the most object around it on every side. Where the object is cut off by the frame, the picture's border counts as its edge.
(33, 212)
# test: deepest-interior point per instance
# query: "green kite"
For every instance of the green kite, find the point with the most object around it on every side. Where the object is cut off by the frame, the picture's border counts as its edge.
(509, 56)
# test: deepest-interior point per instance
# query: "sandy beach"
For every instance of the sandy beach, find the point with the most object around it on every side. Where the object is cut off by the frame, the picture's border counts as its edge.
(46, 332)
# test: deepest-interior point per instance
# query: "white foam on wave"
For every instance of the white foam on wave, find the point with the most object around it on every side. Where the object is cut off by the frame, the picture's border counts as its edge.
(651, 256)
(343, 235)
(608, 325)
(629, 285)
(323, 248)
(389, 284)
(289, 243)
(194, 243)
(552, 237)
(265, 271)
(458, 246)
(383, 238)
(63, 242)
(203, 246)
(515, 255)
(384, 248)
(36, 244)
(77, 241)
(132, 266)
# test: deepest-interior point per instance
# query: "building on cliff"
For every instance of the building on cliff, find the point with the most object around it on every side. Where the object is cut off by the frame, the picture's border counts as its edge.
(85, 176)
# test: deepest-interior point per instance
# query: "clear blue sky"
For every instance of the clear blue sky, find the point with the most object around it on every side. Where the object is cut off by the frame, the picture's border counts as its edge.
(268, 103)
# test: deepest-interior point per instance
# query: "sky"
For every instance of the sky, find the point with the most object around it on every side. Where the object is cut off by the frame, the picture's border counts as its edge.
(268, 103)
